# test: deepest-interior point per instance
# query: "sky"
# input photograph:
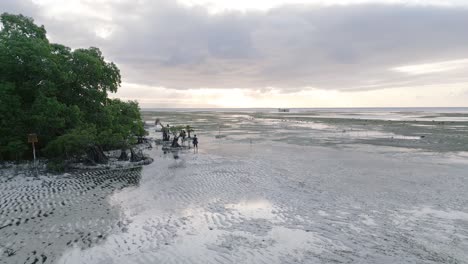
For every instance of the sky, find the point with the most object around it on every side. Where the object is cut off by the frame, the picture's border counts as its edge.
(271, 53)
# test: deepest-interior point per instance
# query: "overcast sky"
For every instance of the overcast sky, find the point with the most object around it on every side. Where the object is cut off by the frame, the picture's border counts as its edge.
(271, 53)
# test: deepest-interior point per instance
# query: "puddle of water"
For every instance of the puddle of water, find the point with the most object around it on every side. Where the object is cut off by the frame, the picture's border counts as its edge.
(372, 134)
(430, 212)
(422, 125)
(254, 209)
(296, 240)
(313, 125)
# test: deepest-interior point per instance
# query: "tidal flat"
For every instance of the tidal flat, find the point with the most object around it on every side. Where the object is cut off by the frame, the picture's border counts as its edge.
(298, 187)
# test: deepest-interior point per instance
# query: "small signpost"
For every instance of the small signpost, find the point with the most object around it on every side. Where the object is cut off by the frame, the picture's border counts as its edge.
(32, 138)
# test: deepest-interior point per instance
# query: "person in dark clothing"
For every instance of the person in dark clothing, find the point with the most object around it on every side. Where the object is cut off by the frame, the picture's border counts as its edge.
(175, 142)
(166, 131)
(183, 135)
(195, 142)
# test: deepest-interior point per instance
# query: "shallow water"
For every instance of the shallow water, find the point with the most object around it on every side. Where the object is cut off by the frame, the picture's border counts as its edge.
(271, 191)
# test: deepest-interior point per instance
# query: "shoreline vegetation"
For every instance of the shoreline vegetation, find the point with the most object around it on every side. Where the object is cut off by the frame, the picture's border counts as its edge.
(62, 96)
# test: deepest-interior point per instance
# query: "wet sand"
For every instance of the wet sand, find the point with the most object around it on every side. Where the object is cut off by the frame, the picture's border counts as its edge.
(274, 190)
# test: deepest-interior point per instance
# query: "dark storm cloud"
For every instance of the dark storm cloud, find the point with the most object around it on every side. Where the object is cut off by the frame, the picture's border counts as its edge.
(162, 43)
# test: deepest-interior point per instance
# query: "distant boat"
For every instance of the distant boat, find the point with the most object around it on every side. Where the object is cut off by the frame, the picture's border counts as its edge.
(283, 110)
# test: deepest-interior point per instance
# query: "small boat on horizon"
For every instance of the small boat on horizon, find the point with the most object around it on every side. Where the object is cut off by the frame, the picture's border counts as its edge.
(283, 110)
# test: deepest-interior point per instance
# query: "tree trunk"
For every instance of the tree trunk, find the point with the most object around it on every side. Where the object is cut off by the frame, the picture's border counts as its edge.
(96, 155)
(135, 157)
(123, 155)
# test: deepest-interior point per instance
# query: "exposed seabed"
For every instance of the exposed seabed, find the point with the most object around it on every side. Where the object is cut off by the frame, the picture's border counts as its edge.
(277, 188)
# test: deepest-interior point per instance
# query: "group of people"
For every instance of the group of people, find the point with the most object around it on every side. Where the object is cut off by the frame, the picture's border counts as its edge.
(182, 134)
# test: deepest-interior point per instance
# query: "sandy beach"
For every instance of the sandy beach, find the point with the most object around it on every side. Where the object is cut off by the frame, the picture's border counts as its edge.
(299, 187)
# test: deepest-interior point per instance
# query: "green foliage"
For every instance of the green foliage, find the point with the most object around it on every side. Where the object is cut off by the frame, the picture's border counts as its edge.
(120, 124)
(189, 130)
(56, 165)
(21, 25)
(109, 139)
(51, 118)
(72, 144)
(14, 149)
(11, 122)
(139, 129)
(176, 129)
(60, 94)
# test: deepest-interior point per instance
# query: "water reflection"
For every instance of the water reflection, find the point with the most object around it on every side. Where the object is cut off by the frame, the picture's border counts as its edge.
(253, 208)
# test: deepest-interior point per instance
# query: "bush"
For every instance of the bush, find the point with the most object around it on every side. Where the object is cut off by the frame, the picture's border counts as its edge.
(56, 165)
(14, 150)
(110, 140)
(73, 144)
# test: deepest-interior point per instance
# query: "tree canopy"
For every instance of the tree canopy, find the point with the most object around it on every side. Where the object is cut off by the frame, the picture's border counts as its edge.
(58, 93)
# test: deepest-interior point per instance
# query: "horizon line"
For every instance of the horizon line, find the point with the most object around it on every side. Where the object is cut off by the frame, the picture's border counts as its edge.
(351, 107)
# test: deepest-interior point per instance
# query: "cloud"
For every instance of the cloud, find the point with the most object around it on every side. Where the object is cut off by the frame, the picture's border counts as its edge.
(337, 47)
(25, 7)
(420, 96)
(435, 67)
(349, 47)
(217, 6)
